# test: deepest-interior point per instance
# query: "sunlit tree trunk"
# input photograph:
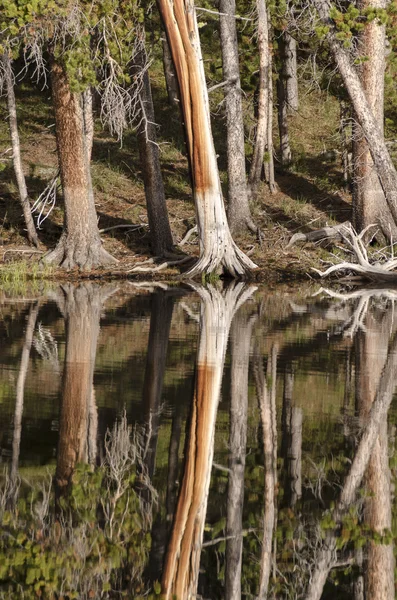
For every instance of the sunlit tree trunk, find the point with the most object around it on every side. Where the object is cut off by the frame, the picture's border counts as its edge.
(16, 150)
(238, 212)
(240, 339)
(380, 155)
(369, 204)
(218, 252)
(159, 225)
(182, 561)
(282, 88)
(80, 244)
(81, 306)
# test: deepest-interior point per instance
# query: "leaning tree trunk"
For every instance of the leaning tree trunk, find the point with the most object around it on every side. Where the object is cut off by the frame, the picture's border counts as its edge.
(80, 244)
(378, 149)
(217, 249)
(182, 561)
(159, 225)
(239, 214)
(263, 98)
(16, 151)
(369, 204)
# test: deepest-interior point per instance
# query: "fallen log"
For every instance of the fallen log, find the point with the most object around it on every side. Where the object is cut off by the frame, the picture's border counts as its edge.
(328, 233)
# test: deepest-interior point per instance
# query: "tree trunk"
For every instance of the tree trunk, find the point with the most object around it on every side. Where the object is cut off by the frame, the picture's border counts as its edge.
(82, 311)
(80, 244)
(217, 249)
(261, 137)
(16, 151)
(240, 338)
(290, 70)
(369, 204)
(171, 80)
(269, 162)
(239, 214)
(181, 568)
(378, 149)
(285, 148)
(88, 116)
(159, 225)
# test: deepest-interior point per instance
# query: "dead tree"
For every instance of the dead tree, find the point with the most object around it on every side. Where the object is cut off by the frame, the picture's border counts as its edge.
(218, 252)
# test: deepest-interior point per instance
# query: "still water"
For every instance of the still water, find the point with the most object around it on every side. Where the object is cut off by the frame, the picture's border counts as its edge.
(197, 442)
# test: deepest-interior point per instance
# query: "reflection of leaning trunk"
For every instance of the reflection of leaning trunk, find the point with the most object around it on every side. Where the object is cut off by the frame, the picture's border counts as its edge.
(267, 404)
(371, 351)
(23, 370)
(181, 570)
(240, 346)
(82, 311)
(326, 556)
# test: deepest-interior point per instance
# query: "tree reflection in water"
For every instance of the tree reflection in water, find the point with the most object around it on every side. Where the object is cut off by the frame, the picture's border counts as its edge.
(279, 521)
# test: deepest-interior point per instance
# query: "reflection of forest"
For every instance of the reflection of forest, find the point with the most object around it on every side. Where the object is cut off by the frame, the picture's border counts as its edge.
(277, 484)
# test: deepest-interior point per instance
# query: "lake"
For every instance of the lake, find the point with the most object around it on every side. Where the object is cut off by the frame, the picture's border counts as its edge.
(213, 442)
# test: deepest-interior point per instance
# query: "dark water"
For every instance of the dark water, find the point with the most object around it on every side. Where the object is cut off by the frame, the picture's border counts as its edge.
(211, 443)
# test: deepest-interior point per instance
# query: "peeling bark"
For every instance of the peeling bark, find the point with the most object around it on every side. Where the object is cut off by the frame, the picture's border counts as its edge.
(218, 252)
(80, 244)
(16, 151)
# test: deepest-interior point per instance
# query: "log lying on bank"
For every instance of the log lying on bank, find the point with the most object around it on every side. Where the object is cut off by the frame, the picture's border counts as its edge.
(320, 235)
(377, 271)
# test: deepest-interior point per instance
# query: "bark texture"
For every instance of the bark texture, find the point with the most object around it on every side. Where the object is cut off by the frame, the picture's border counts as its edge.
(285, 148)
(369, 204)
(88, 116)
(217, 249)
(80, 244)
(370, 128)
(290, 70)
(159, 225)
(16, 151)
(239, 214)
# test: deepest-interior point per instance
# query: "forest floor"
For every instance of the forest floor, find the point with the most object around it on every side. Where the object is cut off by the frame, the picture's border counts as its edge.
(310, 194)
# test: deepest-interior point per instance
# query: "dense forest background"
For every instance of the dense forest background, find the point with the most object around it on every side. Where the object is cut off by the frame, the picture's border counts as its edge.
(308, 168)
